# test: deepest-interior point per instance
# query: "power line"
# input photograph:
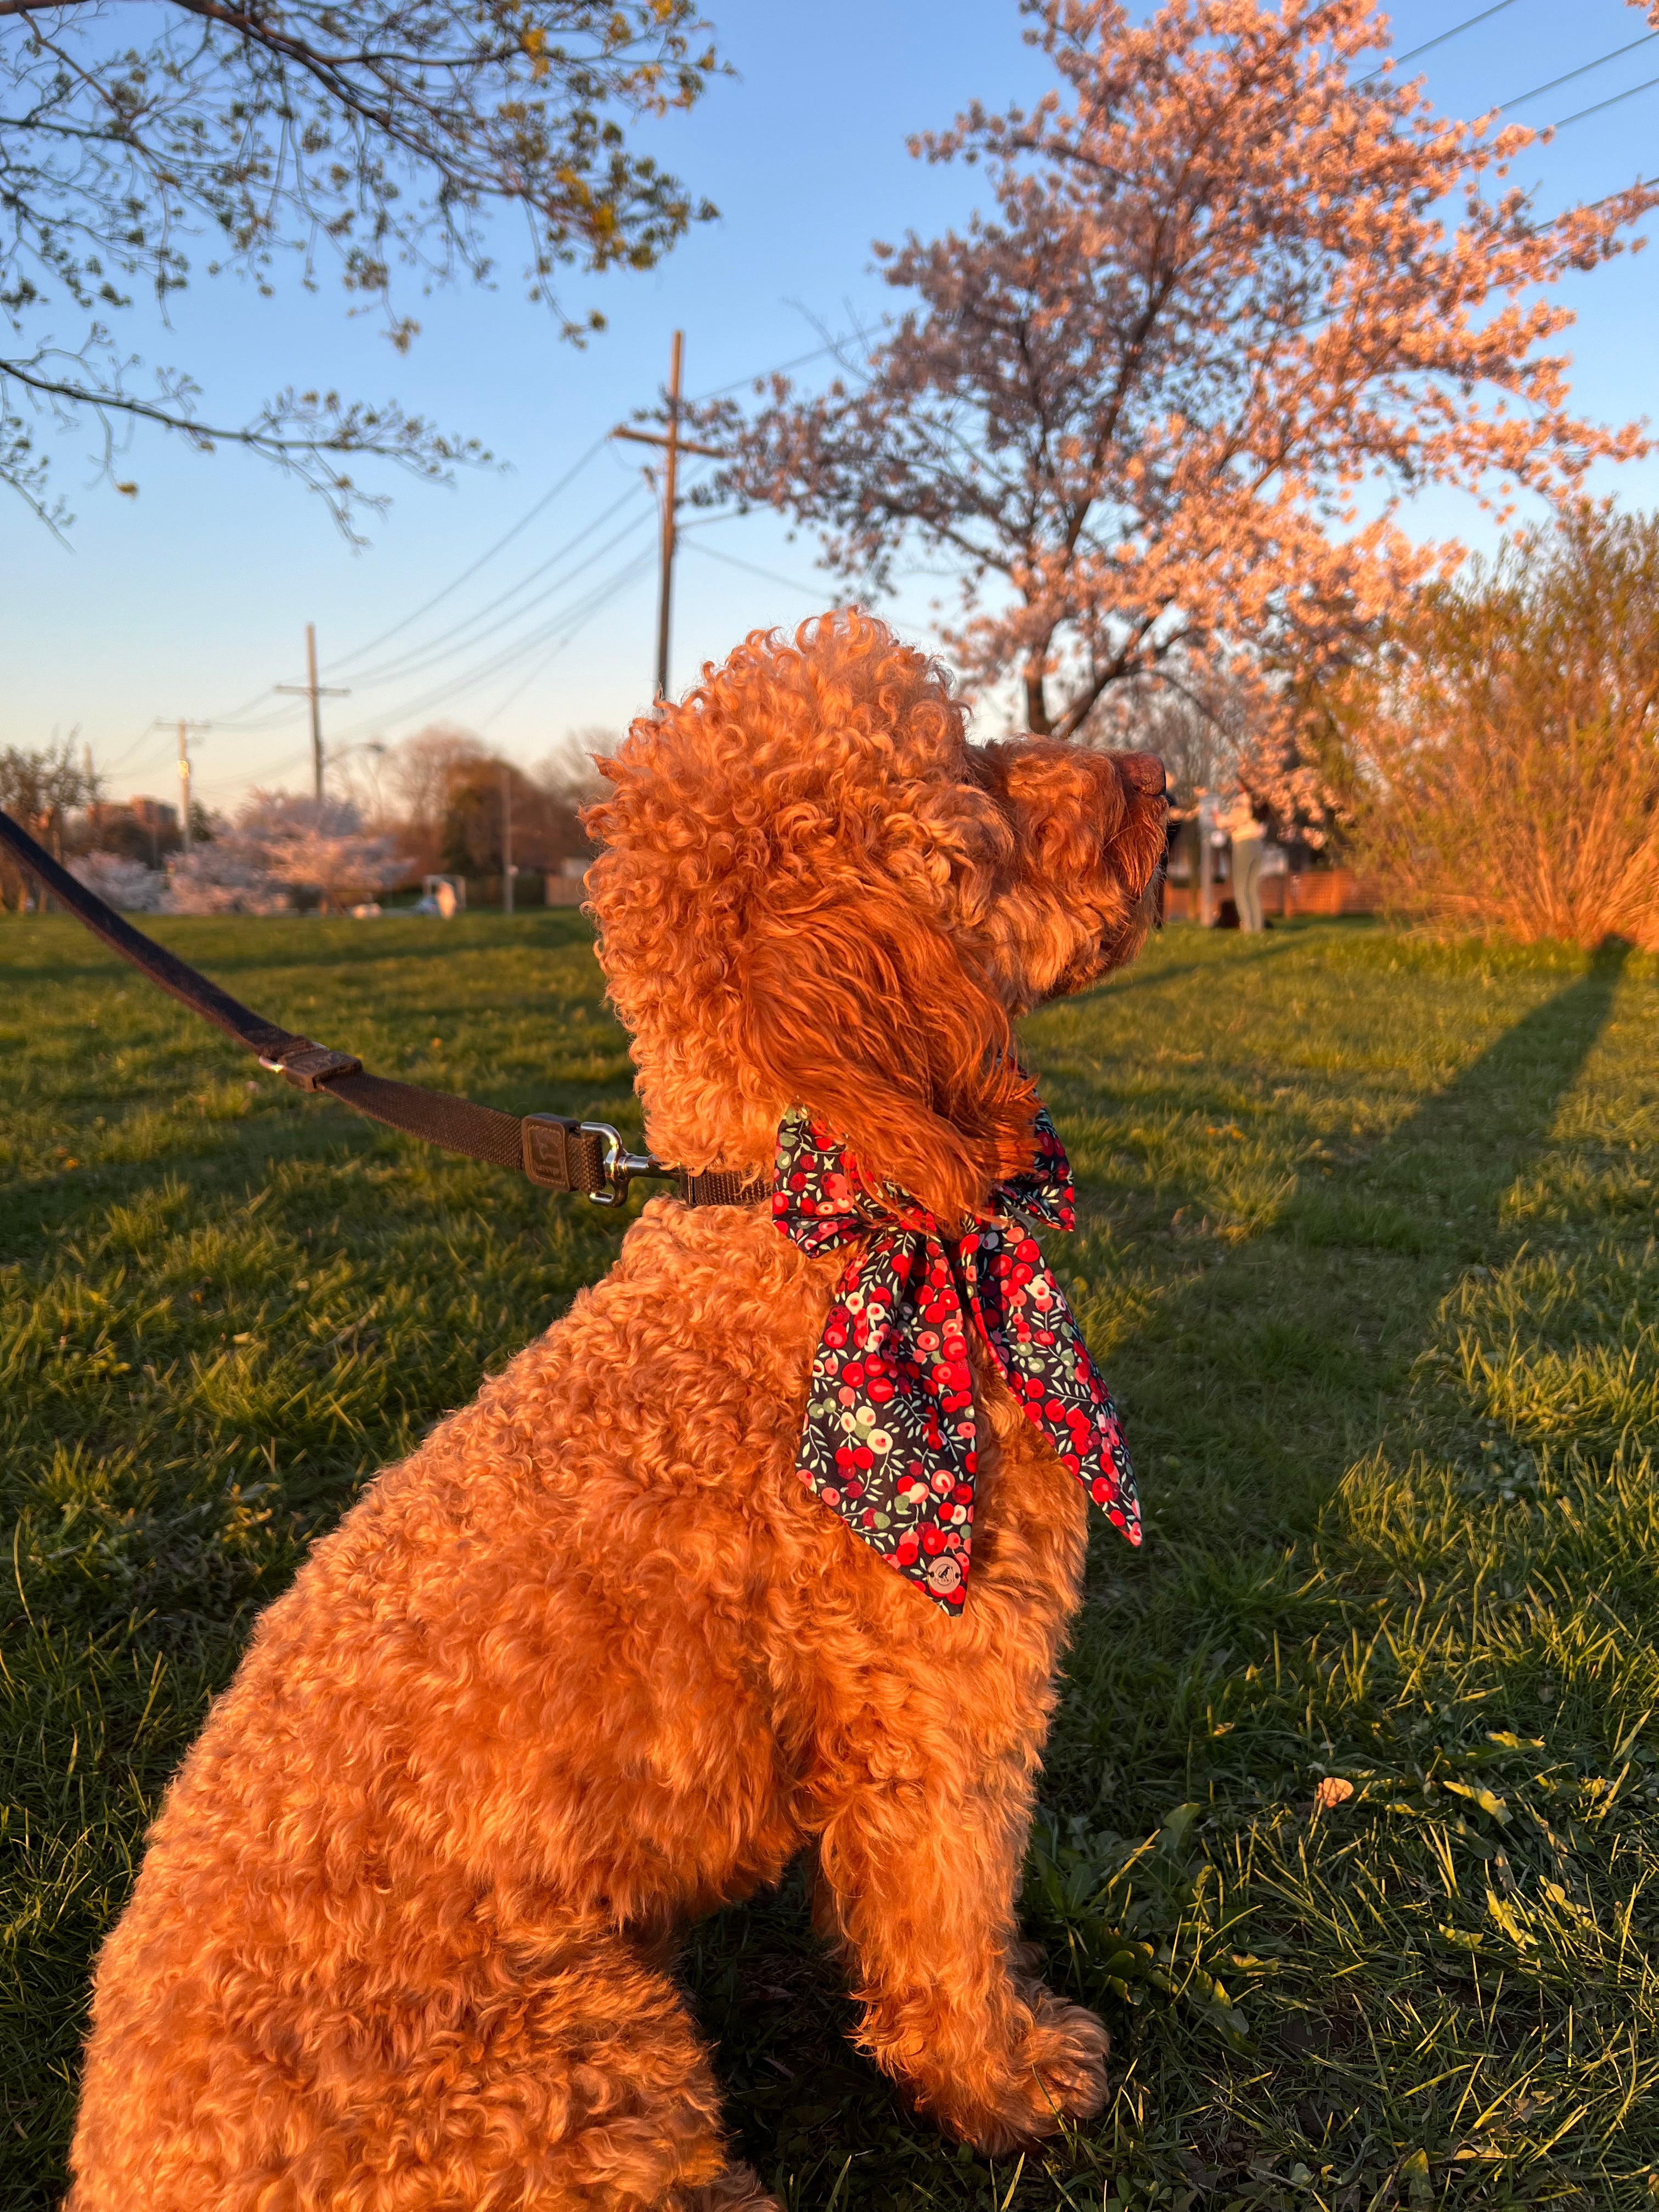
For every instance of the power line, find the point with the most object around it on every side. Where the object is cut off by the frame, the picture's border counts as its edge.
(426, 655)
(1584, 69)
(234, 714)
(239, 781)
(541, 667)
(522, 523)
(1429, 45)
(153, 760)
(482, 673)
(760, 375)
(466, 633)
(440, 648)
(1601, 104)
(732, 561)
(114, 766)
(613, 584)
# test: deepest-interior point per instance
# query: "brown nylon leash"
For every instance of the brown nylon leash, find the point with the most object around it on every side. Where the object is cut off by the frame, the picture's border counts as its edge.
(554, 1153)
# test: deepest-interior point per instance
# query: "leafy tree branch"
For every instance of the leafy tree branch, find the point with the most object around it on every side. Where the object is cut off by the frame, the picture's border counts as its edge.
(383, 139)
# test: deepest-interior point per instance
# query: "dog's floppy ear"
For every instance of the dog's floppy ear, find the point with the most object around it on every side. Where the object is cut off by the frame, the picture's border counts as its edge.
(867, 1013)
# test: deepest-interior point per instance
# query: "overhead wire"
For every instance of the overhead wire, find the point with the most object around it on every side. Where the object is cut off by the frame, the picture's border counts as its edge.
(542, 665)
(1439, 39)
(572, 618)
(425, 656)
(466, 634)
(482, 673)
(1584, 69)
(734, 561)
(239, 782)
(114, 766)
(1601, 105)
(462, 636)
(569, 477)
(760, 375)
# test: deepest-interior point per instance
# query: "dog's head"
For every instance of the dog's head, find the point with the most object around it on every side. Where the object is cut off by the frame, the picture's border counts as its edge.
(814, 892)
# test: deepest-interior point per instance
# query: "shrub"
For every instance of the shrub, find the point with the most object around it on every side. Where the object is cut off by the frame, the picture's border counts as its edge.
(1508, 739)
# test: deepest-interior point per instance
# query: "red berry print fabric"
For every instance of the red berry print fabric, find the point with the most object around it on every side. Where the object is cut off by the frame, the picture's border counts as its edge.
(890, 1441)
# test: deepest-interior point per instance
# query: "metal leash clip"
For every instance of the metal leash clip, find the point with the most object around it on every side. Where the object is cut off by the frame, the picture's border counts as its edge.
(618, 1165)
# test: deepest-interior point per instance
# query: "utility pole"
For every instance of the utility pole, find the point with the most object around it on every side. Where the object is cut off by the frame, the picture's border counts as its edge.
(671, 446)
(184, 728)
(508, 870)
(316, 692)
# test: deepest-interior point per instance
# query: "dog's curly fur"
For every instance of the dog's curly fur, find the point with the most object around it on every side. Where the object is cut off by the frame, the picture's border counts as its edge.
(593, 1660)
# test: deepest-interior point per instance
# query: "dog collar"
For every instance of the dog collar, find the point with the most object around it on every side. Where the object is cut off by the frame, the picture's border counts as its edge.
(890, 1441)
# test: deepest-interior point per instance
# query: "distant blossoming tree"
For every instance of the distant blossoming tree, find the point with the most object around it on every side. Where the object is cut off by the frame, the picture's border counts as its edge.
(127, 885)
(1242, 292)
(227, 877)
(322, 848)
(281, 845)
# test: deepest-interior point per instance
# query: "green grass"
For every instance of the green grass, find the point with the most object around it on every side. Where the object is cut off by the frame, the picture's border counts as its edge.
(1367, 1253)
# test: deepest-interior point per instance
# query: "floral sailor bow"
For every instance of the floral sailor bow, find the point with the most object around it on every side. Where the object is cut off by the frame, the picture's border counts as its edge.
(890, 1441)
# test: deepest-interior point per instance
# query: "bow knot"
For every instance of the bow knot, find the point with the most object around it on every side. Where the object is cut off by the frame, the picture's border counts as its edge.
(891, 1441)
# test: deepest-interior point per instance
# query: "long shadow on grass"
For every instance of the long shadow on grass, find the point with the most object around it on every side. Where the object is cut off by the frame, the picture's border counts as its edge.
(1359, 1238)
(1464, 1146)
(1248, 1421)
(1249, 1414)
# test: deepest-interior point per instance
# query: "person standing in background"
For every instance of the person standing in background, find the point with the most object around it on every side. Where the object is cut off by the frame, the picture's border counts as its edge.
(1249, 836)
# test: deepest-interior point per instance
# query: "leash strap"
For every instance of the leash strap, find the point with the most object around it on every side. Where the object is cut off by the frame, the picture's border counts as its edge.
(553, 1152)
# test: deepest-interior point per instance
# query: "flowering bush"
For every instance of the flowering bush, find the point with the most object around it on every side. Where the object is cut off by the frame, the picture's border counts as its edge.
(127, 885)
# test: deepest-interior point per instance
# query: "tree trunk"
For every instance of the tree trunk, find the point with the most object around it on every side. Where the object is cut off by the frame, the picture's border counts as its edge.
(1036, 705)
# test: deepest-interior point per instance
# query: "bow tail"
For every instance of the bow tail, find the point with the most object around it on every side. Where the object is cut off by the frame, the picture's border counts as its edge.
(1033, 1337)
(889, 1440)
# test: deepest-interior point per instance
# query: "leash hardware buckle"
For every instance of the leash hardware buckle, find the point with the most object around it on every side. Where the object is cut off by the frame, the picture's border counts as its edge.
(308, 1067)
(619, 1165)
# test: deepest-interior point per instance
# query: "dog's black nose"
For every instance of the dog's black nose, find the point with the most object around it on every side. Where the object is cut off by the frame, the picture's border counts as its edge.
(1144, 772)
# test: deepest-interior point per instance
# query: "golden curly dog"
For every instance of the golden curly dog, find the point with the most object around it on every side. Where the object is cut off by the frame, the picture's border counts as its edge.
(593, 1660)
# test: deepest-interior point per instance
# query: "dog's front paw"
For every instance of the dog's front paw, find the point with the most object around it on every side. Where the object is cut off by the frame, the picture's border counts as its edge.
(1057, 2075)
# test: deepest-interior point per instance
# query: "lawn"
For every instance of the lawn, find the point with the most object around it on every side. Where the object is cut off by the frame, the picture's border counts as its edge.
(1350, 1812)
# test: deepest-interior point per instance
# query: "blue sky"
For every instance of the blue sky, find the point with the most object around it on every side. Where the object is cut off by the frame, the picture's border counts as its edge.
(191, 599)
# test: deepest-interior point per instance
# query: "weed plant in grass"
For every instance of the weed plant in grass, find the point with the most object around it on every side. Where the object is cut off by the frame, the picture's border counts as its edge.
(1348, 1821)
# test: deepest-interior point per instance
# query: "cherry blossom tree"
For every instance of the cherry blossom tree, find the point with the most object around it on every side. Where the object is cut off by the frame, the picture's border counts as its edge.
(280, 845)
(323, 849)
(229, 875)
(126, 884)
(1242, 293)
